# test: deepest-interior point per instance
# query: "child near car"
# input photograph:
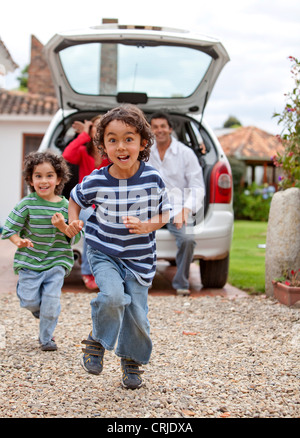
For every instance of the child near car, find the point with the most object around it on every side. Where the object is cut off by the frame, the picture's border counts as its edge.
(44, 255)
(131, 204)
(83, 153)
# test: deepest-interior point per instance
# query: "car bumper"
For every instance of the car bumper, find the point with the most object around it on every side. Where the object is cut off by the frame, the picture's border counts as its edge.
(213, 236)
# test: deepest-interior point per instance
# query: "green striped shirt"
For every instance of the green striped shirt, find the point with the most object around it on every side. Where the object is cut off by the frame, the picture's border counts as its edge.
(31, 219)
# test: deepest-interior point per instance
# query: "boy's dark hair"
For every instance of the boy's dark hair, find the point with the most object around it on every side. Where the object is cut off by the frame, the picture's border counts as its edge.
(130, 115)
(57, 162)
(161, 115)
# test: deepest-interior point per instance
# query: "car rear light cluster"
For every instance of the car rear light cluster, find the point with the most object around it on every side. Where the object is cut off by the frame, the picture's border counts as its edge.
(220, 184)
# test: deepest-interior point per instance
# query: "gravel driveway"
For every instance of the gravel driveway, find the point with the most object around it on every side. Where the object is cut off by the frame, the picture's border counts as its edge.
(212, 357)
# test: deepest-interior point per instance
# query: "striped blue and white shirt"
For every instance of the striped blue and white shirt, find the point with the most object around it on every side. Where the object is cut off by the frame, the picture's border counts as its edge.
(143, 195)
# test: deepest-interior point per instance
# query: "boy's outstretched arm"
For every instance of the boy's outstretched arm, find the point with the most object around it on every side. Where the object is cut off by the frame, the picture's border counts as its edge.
(75, 224)
(73, 211)
(19, 242)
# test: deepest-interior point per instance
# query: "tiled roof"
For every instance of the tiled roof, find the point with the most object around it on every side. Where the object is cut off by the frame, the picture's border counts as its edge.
(22, 103)
(250, 143)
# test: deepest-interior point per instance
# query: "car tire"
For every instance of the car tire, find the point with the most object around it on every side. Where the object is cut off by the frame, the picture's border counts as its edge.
(214, 273)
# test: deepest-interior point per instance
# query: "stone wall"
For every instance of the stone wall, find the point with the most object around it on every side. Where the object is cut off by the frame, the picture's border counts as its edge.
(283, 236)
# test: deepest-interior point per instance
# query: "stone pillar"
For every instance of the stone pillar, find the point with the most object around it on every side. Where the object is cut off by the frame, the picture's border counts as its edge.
(283, 236)
(109, 65)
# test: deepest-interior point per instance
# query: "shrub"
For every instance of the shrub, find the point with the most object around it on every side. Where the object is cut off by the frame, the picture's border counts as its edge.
(253, 203)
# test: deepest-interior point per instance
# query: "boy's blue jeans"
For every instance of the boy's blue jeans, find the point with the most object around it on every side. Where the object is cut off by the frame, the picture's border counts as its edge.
(41, 291)
(119, 312)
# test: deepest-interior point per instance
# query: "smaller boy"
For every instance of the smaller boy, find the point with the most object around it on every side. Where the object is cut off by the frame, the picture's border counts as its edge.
(44, 255)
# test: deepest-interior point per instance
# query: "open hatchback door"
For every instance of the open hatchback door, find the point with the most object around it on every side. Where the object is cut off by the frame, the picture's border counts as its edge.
(100, 67)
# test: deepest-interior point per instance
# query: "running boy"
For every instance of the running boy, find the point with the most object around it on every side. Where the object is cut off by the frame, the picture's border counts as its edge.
(131, 204)
(44, 255)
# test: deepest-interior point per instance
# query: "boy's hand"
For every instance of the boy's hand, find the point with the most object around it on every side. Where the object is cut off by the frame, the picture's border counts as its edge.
(58, 221)
(19, 242)
(24, 243)
(75, 227)
(135, 225)
(69, 230)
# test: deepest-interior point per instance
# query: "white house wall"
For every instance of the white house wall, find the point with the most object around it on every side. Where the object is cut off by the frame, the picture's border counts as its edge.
(11, 149)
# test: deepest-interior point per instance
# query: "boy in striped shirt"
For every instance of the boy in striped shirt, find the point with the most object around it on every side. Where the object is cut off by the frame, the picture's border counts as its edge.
(130, 205)
(44, 255)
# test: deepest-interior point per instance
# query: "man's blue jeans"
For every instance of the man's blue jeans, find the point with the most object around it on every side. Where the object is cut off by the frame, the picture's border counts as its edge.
(40, 291)
(119, 312)
(185, 243)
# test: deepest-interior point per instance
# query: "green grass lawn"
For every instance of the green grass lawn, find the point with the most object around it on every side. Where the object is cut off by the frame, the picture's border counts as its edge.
(247, 260)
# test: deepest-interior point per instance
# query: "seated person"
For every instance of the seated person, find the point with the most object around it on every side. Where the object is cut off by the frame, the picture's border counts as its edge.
(182, 174)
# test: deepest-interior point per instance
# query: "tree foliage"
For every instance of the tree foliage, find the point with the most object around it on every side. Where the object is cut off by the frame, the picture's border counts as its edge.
(23, 79)
(289, 160)
(232, 122)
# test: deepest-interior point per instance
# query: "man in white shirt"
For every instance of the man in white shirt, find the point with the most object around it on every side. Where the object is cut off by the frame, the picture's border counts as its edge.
(182, 174)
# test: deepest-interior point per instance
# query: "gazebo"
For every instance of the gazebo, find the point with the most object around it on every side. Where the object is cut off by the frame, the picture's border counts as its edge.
(256, 149)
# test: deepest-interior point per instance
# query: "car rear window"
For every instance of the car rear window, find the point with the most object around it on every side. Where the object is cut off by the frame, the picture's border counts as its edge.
(160, 71)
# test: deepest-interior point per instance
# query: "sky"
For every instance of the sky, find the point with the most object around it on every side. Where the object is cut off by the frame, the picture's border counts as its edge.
(259, 36)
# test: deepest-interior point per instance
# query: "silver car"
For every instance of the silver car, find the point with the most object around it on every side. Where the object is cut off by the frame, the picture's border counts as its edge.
(158, 69)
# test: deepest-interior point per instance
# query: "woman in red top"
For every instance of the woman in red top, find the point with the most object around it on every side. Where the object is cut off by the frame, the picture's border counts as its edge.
(82, 152)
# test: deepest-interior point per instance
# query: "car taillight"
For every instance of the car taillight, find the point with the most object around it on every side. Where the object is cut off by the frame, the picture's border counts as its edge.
(220, 184)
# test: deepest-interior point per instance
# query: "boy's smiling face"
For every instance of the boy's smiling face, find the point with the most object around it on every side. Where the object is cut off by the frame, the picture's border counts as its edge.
(44, 181)
(122, 144)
